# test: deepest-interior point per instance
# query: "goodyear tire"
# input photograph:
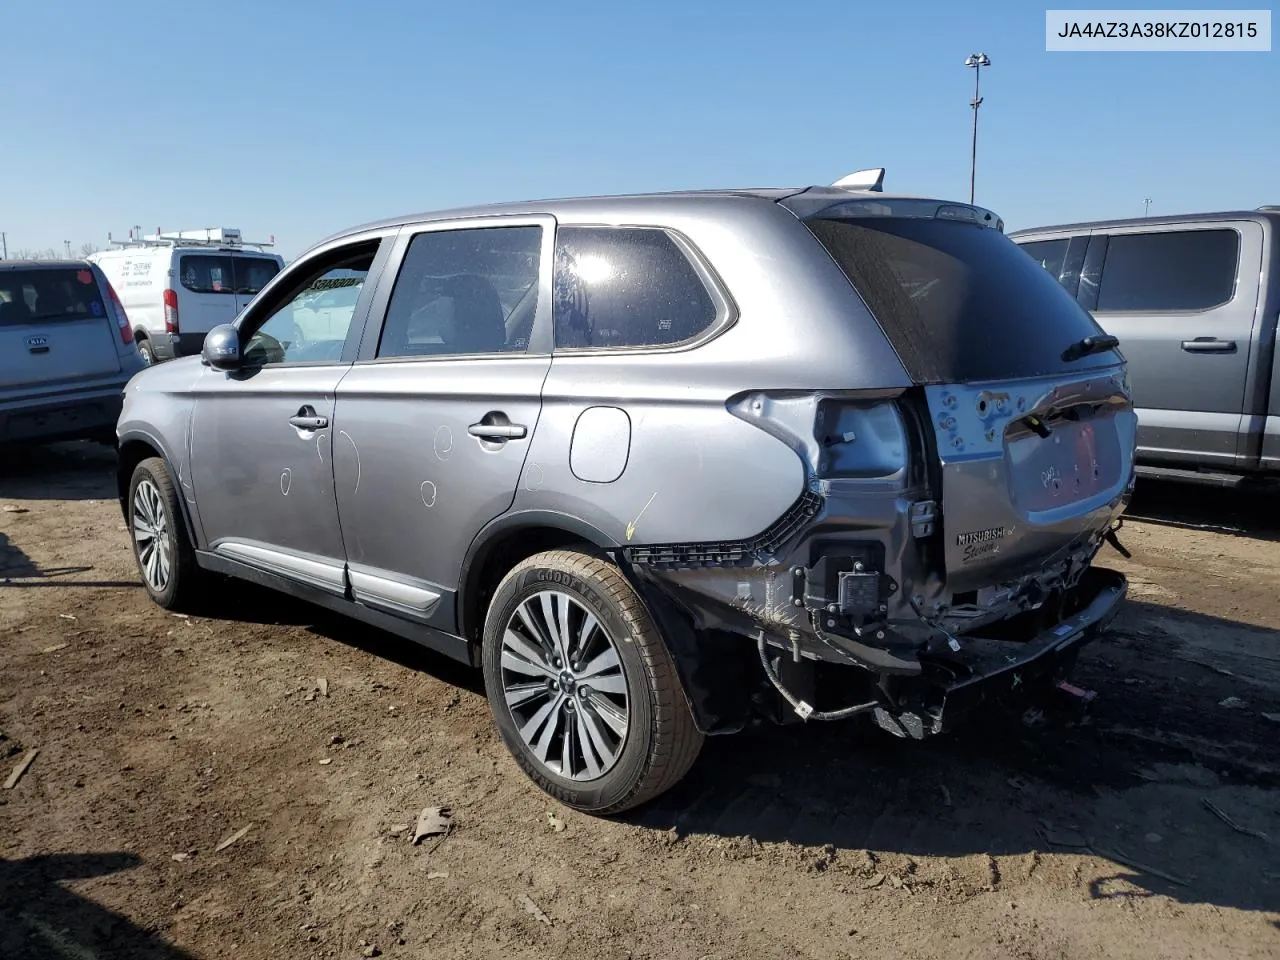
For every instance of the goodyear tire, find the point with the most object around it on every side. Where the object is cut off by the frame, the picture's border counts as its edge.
(582, 687)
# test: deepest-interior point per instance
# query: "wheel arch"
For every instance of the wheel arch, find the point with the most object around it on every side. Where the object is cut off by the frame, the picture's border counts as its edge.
(135, 447)
(713, 694)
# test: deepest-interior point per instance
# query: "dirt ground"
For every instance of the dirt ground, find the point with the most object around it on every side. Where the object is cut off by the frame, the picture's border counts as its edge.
(159, 737)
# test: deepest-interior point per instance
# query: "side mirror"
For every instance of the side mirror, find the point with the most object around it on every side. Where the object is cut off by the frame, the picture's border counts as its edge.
(222, 347)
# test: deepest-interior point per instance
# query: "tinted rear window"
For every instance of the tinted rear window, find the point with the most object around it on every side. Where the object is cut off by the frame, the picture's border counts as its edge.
(63, 293)
(1180, 270)
(223, 273)
(958, 301)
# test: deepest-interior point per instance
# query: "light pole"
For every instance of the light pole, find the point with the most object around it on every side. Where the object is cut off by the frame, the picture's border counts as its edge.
(1146, 206)
(977, 61)
(67, 244)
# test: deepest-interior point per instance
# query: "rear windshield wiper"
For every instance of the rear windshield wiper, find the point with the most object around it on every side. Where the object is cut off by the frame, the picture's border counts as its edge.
(1089, 346)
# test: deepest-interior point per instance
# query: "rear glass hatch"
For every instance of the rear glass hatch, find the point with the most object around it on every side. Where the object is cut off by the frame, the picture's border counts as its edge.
(220, 284)
(54, 326)
(1027, 403)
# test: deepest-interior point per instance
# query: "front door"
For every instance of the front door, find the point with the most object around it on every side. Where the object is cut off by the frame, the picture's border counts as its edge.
(262, 436)
(1182, 299)
(436, 417)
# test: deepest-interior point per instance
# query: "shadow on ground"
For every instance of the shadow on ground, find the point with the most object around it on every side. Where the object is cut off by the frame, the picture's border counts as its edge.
(58, 471)
(41, 918)
(1247, 513)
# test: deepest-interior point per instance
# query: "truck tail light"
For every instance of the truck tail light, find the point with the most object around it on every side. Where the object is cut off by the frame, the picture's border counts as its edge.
(170, 311)
(122, 319)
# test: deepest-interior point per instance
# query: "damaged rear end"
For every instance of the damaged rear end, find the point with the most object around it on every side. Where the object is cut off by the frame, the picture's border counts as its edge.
(944, 545)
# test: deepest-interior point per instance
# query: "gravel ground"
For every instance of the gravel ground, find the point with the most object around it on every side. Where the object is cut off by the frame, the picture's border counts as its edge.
(1096, 835)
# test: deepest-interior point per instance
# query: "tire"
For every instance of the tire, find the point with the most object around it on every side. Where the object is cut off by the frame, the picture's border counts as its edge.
(148, 355)
(658, 741)
(168, 569)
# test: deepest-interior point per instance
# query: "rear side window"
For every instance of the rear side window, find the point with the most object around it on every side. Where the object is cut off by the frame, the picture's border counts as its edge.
(1182, 270)
(959, 302)
(224, 273)
(464, 291)
(626, 287)
(64, 293)
(1050, 254)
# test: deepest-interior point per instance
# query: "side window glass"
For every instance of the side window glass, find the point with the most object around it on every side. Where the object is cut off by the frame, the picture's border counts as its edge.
(626, 287)
(464, 291)
(312, 325)
(1182, 270)
(1050, 254)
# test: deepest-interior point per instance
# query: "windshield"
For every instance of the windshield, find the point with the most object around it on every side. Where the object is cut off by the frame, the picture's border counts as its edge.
(959, 302)
(225, 272)
(62, 293)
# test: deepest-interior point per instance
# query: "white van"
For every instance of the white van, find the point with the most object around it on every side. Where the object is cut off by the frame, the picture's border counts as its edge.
(176, 287)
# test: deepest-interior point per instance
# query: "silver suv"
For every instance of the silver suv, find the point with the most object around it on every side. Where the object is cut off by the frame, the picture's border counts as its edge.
(661, 465)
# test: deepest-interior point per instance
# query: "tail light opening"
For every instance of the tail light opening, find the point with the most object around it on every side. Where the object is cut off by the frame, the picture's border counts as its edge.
(170, 311)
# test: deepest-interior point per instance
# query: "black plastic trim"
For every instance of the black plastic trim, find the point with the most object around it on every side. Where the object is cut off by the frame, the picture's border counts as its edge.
(730, 553)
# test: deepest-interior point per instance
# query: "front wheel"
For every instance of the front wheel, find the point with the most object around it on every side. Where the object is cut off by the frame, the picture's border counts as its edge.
(582, 687)
(165, 557)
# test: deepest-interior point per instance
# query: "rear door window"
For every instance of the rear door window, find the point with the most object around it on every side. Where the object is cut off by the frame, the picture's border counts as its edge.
(1183, 270)
(49, 294)
(224, 273)
(958, 301)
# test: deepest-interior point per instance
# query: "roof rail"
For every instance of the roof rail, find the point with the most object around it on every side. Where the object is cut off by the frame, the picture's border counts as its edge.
(1269, 208)
(220, 237)
(871, 179)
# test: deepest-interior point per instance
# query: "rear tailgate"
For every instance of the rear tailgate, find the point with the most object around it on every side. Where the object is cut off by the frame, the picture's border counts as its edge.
(1034, 446)
(54, 327)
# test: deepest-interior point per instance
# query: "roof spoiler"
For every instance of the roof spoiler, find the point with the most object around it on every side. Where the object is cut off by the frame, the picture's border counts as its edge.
(871, 179)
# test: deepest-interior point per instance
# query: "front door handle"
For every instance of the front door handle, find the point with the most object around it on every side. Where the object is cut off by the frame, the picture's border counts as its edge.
(308, 419)
(497, 431)
(1209, 345)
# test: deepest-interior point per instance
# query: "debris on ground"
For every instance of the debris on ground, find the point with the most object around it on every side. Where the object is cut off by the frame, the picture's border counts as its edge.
(533, 909)
(326, 761)
(1017, 783)
(438, 875)
(946, 794)
(396, 829)
(54, 648)
(322, 686)
(228, 841)
(1222, 815)
(1273, 717)
(1232, 703)
(21, 768)
(432, 822)
(874, 882)
(555, 823)
(370, 949)
(1153, 837)
(180, 857)
(14, 508)
(68, 616)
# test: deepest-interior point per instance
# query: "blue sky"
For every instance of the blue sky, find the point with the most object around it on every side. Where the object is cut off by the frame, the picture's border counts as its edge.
(301, 118)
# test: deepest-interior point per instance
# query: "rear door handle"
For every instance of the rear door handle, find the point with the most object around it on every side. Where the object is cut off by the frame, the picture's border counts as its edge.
(497, 431)
(308, 419)
(1209, 345)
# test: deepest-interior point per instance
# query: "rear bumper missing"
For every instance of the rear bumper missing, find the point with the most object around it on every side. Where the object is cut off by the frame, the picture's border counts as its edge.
(986, 670)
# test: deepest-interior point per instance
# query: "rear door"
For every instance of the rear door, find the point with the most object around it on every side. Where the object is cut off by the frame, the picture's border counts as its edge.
(436, 417)
(1182, 298)
(54, 327)
(206, 288)
(250, 273)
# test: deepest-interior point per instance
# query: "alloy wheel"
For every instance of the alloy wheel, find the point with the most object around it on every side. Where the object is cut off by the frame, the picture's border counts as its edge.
(151, 535)
(563, 681)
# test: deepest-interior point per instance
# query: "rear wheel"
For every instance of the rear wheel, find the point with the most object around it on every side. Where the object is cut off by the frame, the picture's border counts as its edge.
(166, 559)
(144, 349)
(582, 687)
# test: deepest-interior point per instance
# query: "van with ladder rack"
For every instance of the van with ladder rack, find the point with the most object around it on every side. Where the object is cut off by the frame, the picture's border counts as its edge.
(178, 286)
